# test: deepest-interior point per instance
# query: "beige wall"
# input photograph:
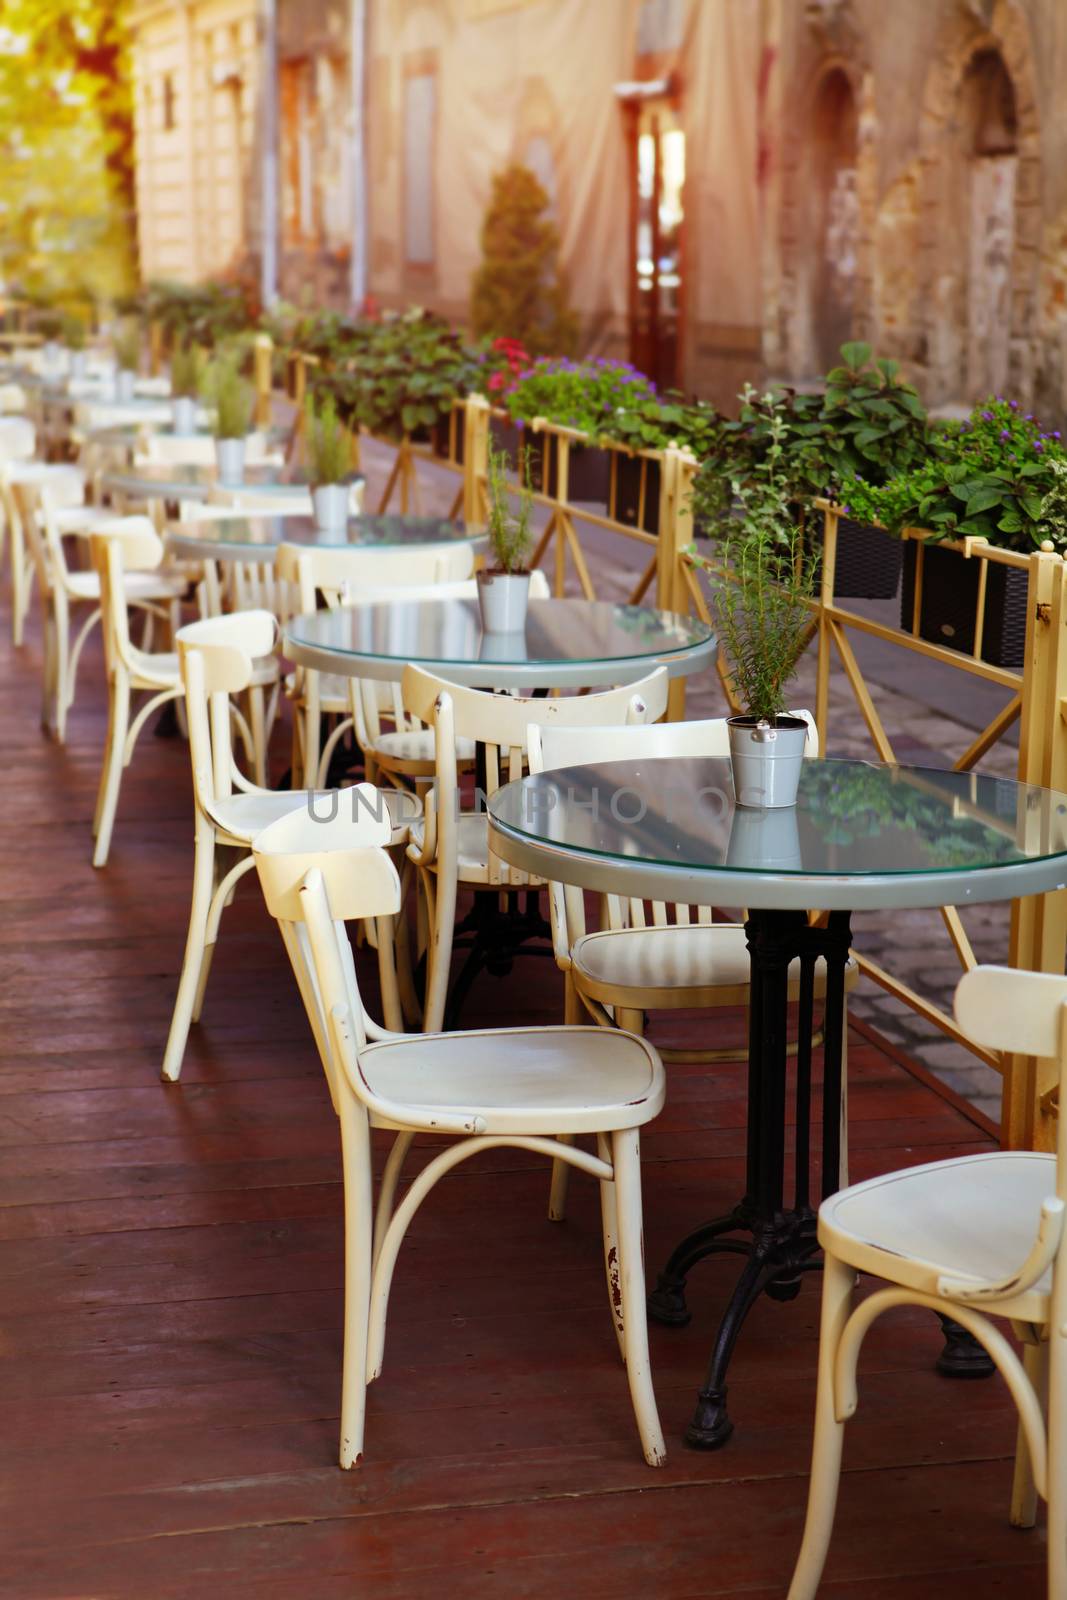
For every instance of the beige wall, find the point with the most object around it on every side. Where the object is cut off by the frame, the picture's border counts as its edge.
(194, 180)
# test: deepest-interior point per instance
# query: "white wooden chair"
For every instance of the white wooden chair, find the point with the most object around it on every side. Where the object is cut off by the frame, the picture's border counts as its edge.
(450, 846)
(344, 575)
(972, 1238)
(124, 546)
(198, 449)
(527, 1087)
(52, 506)
(219, 657)
(395, 743)
(18, 446)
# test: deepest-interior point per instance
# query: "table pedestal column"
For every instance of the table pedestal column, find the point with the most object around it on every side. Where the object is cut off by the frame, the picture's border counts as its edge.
(781, 1242)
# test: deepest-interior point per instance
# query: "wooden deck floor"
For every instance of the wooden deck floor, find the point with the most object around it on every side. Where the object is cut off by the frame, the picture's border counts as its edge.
(170, 1263)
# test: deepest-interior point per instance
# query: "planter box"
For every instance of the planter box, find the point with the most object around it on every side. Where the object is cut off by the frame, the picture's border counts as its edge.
(589, 474)
(440, 438)
(868, 562)
(628, 492)
(950, 600)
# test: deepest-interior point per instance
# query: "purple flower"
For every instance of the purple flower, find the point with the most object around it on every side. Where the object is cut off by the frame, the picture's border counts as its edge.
(987, 416)
(1030, 416)
(1038, 445)
(1004, 434)
(1055, 434)
(1014, 405)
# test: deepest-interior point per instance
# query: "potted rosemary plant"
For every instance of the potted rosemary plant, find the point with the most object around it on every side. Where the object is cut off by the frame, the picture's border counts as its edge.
(185, 380)
(231, 397)
(128, 360)
(504, 587)
(329, 460)
(766, 579)
(75, 338)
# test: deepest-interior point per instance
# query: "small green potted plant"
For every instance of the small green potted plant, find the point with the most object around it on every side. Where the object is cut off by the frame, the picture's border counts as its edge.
(504, 587)
(127, 346)
(75, 339)
(766, 580)
(329, 458)
(231, 397)
(186, 377)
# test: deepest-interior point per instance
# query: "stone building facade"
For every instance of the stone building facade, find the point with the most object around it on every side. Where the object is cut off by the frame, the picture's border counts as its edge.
(739, 185)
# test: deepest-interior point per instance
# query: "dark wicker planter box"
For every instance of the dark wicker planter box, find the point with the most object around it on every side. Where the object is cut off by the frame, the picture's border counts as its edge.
(440, 438)
(589, 474)
(950, 600)
(868, 562)
(628, 492)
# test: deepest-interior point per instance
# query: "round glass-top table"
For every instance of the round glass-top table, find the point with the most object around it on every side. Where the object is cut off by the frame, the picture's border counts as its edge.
(860, 836)
(576, 643)
(256, 538)
(179, 480)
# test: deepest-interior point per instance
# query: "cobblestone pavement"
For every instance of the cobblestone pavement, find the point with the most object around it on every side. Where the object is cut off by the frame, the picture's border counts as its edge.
(913, 945)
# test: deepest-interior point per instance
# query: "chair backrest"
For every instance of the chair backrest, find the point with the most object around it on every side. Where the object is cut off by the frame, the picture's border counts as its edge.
(128, 544)
(345, 574)
(319, 868)
(38, 490)
(553, 747)
(18, 439)
(499, 724)
(198, 449)
(12, 398)
(216, 658)
(1026, 1013)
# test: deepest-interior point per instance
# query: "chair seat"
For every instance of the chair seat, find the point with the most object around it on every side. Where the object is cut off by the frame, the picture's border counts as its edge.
(242, 815)
(675, 966)
(522, 1080)
(81, 518)
(413, 748)
(473, 853)
(973, 1216)
(139, 586)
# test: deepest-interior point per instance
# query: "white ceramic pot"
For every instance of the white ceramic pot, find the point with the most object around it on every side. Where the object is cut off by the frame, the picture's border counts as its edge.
(230, 460)
(183, 414)
(330, 501)
(79, 363)
(503, 598)
(766, 760)
(767, 840)
(125, 386)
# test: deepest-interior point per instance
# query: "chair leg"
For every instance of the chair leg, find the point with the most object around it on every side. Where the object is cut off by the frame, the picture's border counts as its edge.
(189, 984)
(19, 583)
(1057, 1458)
(111, 776)
(439, 953)
(62, 665)
(838, 1282)
(355, 1148)
(561, 1170)
(258, 722)
(387, 1187)
(48, 665)
(609, 1222)
(392, 1012)
(1023, 1489)
(626, 1164)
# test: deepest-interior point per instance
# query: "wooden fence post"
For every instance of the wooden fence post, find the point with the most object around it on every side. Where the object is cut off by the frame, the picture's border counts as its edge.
(475, 459)
(263, 357)
(1039, 923)
(677, 472)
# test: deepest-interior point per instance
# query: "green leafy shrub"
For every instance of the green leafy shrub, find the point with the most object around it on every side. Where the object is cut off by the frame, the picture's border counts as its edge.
(73, 332)
(186, 371)
(127, 346)
(399, 375)
(518, 291)
(585, 395)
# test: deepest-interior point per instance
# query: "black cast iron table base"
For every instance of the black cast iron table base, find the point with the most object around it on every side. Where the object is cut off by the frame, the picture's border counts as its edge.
(776, 1234)
(493, 934)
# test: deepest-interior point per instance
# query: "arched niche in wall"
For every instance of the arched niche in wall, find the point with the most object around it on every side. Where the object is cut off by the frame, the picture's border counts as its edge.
(830, 234)
(989, 168)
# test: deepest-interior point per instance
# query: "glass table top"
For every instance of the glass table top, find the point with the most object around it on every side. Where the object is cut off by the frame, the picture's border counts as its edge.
(172, 480)
(566, 641)
(861, 833)
(244, 538)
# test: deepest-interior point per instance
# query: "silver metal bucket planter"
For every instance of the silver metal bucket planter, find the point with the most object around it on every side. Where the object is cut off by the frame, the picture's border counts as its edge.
(183, 415)
(766, 760)
(330, 501)
(125, 386)
(79, 363)
(230, 460)
(503, 598)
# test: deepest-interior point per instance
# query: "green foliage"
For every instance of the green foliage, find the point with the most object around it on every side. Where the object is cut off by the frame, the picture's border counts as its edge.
(510, 532)
(577, 394)
(518, 291)
(186, 371)
(66, 148)
(765, 581)
(396, 376)
(988, 478)
(127, 346)
(232, 398)
(205, 314)
(73, 332)
(329, 451)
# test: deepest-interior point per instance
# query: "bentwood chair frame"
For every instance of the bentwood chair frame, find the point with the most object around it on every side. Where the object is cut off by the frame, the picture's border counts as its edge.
(452, 847)
(528, 1088)
(972, 1238)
